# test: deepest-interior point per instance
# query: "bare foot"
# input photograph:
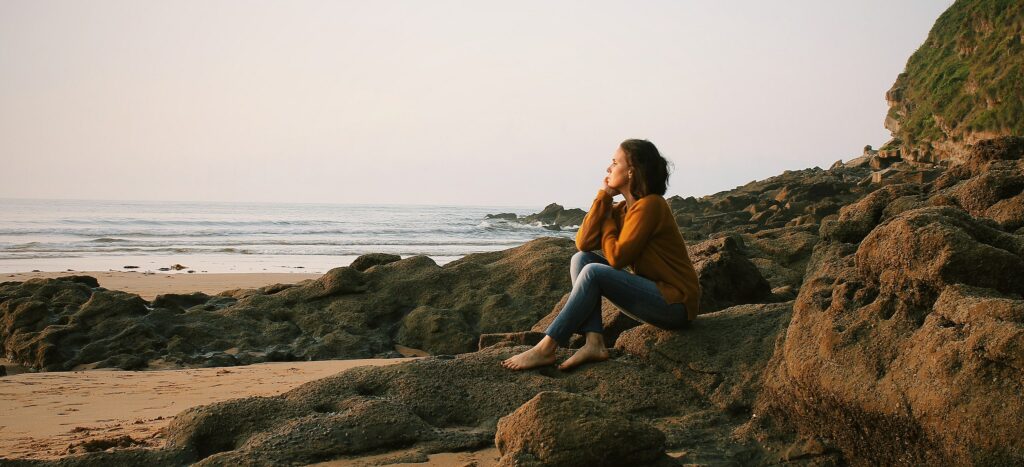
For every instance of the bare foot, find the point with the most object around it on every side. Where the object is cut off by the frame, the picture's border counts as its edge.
(530, 359)
(587, 353)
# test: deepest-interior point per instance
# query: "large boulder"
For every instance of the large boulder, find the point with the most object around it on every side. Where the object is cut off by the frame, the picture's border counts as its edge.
(906, 348)
(560, 428)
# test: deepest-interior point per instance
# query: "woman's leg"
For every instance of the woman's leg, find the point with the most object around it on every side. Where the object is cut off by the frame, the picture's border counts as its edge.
(544, 352)
(593, 321)
(636, 296)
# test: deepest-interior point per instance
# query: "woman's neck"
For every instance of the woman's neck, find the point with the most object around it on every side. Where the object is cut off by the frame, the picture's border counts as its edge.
(629, 199)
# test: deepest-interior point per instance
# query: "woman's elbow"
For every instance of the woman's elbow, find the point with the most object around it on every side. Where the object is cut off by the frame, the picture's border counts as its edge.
(614, 262)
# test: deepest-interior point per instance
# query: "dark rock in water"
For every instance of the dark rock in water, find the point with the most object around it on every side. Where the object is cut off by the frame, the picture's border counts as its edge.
(509, 216)
(555, 216)
(560, 428)
(552, 217)
(3, 371)
(130, 267)
(163, 269)
(364, 262)
(510, 338)
(727, 276)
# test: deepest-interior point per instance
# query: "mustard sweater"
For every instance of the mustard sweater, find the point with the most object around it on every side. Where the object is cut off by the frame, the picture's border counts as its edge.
(646, 238)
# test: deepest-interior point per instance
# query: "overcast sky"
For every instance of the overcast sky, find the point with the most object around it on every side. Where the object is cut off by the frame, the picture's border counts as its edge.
(435, 102)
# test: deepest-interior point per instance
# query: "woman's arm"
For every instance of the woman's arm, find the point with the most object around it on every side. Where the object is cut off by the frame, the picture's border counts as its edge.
(622, 249)
(589, 236)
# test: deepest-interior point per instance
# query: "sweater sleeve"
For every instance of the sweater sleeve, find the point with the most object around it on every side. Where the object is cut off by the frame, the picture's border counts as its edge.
(621, 249)
(589, 236)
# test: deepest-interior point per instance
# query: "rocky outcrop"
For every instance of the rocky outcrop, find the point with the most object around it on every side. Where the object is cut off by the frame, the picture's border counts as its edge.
(552, 217)
(906, 338)
(71, 322)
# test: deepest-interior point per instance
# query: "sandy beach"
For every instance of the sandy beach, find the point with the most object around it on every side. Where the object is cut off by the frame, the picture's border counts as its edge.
(48, 415)
(149, 286)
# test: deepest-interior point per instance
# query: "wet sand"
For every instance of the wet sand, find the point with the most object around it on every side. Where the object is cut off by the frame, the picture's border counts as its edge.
(149, 286)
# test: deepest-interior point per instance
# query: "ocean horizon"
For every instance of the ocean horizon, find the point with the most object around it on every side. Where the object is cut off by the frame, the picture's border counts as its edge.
(217, 236)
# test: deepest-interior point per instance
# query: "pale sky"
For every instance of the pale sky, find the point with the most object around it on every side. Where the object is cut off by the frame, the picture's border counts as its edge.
(435, 102)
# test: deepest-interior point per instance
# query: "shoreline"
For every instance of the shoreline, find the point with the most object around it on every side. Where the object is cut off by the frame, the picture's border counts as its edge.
(148, 286)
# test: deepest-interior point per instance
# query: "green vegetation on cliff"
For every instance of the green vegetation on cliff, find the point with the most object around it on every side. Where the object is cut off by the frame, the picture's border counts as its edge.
(967, 77)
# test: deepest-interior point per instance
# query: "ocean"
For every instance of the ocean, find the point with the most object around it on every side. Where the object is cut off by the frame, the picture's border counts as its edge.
(58, 235)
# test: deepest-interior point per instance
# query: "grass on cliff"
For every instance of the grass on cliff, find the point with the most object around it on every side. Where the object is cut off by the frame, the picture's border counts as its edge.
(969, 73)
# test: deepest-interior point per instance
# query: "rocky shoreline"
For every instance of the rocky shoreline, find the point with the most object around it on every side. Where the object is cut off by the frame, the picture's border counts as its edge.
(871, 313)
(890, 332)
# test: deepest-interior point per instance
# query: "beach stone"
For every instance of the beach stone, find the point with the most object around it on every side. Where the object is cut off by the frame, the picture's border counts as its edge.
(560, 428)
(364, 262)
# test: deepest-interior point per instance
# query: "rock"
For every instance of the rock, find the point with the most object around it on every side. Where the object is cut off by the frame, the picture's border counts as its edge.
(555, 215)
(180, 301)
(984, 152)
(437, 405)
(364, 262)
(435, 330)
(559, 428)
(723, 355)
(3, 371)
(918, 253)
(509, 216)
(727, 276)
(530, 338)
(339, 281)
(857, 219)
(905, 349)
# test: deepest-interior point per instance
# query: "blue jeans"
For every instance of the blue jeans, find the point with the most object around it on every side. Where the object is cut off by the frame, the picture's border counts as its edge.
(636, 296)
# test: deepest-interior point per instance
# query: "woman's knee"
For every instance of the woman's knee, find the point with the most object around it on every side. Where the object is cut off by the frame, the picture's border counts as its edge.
(591, 271)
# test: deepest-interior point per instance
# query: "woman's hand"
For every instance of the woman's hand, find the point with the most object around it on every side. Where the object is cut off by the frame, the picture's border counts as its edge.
(608, 189)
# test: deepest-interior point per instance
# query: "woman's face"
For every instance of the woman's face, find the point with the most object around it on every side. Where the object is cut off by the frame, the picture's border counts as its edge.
(618, 171)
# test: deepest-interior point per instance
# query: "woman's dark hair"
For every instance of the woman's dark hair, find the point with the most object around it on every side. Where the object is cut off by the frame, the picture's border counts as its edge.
(650, 169)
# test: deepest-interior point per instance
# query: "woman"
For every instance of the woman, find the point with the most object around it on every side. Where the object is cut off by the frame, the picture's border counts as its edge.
(639, 232)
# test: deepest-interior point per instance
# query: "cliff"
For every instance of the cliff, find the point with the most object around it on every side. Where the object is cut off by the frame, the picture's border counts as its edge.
(963, 85)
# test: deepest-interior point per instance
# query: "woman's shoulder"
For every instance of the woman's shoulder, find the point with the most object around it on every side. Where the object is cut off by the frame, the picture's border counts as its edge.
(651, 201)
